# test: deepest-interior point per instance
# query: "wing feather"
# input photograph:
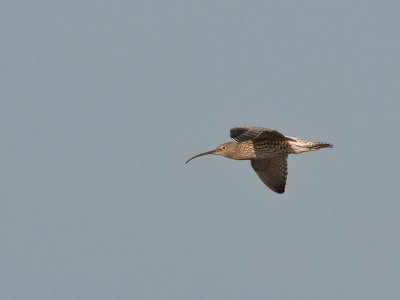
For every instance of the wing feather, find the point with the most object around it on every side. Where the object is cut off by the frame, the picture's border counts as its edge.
(273, 172)
(242, 134)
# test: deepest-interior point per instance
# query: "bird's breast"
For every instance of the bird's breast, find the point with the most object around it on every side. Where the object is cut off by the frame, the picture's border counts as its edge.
(244, 151)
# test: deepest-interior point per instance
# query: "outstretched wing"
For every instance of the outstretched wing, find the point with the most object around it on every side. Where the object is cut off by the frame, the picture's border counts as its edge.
(273, 172)
(241, 134)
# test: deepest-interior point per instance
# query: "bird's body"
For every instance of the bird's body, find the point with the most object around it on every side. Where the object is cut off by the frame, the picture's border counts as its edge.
(267, 150)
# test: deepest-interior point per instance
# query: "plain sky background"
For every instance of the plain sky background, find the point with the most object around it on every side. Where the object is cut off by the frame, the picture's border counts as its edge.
(102, 102)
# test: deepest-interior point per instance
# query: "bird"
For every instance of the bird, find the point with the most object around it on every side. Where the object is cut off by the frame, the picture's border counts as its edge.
(267, 150)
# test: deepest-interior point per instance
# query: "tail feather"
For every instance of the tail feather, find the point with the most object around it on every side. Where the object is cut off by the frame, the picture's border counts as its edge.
(319, 145)
(300, 145)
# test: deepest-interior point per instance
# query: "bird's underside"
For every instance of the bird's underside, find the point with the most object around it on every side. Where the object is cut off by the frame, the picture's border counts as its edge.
(268, 152)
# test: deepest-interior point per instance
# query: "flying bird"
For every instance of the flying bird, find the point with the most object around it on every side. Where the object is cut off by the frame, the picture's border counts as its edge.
(267, 151)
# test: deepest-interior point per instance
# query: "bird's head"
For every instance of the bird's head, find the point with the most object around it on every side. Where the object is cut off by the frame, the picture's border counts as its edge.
(226, 149)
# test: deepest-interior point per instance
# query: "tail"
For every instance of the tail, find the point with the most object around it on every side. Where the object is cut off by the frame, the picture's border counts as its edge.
(313, 145)
(299, 145)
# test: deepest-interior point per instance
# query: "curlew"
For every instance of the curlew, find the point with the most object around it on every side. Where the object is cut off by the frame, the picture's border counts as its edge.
(267, 151)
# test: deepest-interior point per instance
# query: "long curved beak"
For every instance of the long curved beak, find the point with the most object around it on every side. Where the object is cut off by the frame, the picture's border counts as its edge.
(201, 154)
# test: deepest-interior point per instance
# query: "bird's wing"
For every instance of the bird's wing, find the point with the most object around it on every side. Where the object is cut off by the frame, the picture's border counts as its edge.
(241, 134)
(273, 172)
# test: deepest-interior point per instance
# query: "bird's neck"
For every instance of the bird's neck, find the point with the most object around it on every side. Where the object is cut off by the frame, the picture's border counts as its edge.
(244, 151)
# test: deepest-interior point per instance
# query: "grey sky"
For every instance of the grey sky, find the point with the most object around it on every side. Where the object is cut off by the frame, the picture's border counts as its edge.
(102, 102)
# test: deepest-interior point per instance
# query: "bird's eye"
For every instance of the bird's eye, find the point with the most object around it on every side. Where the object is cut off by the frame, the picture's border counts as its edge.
(223, 148)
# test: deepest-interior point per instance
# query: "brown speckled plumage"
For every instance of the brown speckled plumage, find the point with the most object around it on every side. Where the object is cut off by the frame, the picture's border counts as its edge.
(267, 150)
